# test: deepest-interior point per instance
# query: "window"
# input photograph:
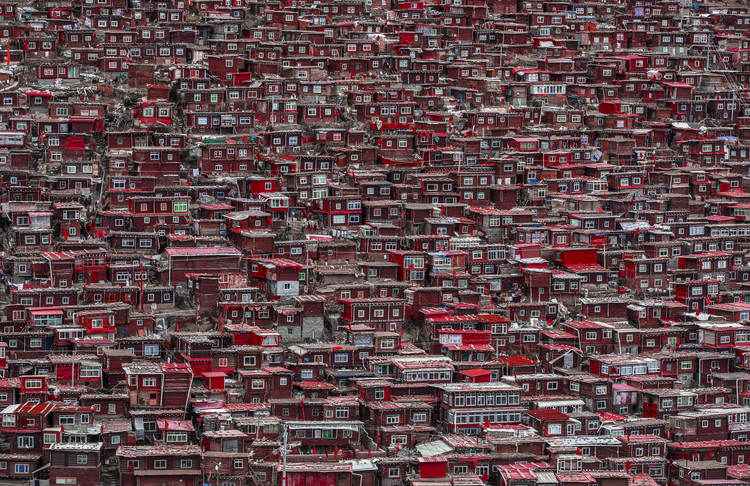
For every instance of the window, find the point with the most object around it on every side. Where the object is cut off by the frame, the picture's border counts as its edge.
(160, 464)
(34, 384)
(151, 350)
(177, 436)
(342, 412)
(9, 421)
(82, 459)
(26, 442)
(22, 468)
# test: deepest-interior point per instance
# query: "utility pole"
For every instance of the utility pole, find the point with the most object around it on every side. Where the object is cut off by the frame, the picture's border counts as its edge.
(73, 367)
(284, 452)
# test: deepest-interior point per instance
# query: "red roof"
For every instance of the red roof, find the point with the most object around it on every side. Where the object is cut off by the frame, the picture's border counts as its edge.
(179, 425)
(39, 93)
(423, 460)
(203, 251)
(607, 417)
(176, 368)
(316, 385)
(516, 360)
(547, 414)
(214, 374)
(475, 372)
(30, 408)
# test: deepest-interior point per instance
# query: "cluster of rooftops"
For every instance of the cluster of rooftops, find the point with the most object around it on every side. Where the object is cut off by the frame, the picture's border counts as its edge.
(375, 242)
